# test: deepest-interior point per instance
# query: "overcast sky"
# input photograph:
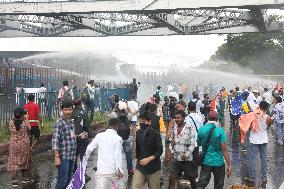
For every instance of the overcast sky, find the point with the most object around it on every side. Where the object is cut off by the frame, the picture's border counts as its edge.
(141, 50)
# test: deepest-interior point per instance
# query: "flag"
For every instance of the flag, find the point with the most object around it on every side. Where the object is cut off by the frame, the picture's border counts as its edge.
(78, 180)
(236, 105)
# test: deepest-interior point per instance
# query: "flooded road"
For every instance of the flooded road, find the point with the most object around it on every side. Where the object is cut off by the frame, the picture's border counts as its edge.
(43, 171)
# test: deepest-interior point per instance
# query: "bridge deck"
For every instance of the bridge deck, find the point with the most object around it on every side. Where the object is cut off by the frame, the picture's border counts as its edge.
(10, 7)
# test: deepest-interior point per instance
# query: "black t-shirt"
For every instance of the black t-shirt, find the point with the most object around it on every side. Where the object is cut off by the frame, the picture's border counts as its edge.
(81, 121)
(155, 122)
(148, 143)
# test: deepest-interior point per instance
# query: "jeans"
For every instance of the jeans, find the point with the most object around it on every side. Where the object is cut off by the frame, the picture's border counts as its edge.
(205, 176)
(263, 159)
(222, 105)
(246, 142)
(280, 131)
(127, 151)
(65, 173)
(90, 107)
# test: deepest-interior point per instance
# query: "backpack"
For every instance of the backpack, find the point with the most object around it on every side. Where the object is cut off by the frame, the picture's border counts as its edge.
(66, 95)
(85, 95)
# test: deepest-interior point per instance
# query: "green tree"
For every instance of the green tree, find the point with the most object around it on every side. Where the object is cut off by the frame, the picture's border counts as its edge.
(263, 52)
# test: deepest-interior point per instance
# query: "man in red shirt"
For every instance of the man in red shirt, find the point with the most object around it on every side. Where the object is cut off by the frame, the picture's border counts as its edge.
(34, 118)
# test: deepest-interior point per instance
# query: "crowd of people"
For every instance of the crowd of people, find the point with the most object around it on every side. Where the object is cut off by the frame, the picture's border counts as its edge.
(194, 129)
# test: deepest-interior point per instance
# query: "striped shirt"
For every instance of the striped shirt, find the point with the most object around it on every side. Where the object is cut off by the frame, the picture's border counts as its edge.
(64, 138)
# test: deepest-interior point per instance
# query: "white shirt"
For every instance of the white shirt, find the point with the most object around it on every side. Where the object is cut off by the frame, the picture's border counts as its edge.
(199, 105)
(251, 97)
(260, 135)
(253, 101)
(198, 119)
(133, 106)
(268, 97)
(278, 113)
(92, 91)
(109, 145)
(42, 90)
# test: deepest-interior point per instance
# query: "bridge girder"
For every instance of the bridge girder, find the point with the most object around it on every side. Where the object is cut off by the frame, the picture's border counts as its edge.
(179, 21)
(129, 5)
(45, 30)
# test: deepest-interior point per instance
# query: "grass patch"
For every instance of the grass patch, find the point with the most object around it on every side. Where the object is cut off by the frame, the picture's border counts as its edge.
(101, 117)
(48, 126)
(4, 134)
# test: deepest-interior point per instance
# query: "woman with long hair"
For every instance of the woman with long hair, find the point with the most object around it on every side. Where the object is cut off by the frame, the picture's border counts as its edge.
(19, 150)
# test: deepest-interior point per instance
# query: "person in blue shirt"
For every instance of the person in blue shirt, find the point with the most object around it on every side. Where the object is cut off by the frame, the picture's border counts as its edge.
(215, 154)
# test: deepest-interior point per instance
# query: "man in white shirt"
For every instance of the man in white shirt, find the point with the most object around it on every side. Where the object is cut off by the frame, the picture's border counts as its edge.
(267, 96)
(258, 142)
(42, 95)
(109, 164)
(198, 102)
(90, 105)
(253, 100)
(133, 110)
(193, 118)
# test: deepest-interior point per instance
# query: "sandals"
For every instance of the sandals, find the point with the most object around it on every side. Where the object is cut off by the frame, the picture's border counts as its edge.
(15, 184)
(25, 181)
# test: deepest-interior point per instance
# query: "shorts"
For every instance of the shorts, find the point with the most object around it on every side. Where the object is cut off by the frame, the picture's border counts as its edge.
(133, 123)
(189, 169)
(35, 132)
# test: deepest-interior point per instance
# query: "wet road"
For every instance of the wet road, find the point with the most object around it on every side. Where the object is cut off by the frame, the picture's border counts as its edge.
(43, 171)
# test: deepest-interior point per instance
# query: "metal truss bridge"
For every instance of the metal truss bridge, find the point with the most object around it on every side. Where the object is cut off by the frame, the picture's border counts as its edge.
(137, 17)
